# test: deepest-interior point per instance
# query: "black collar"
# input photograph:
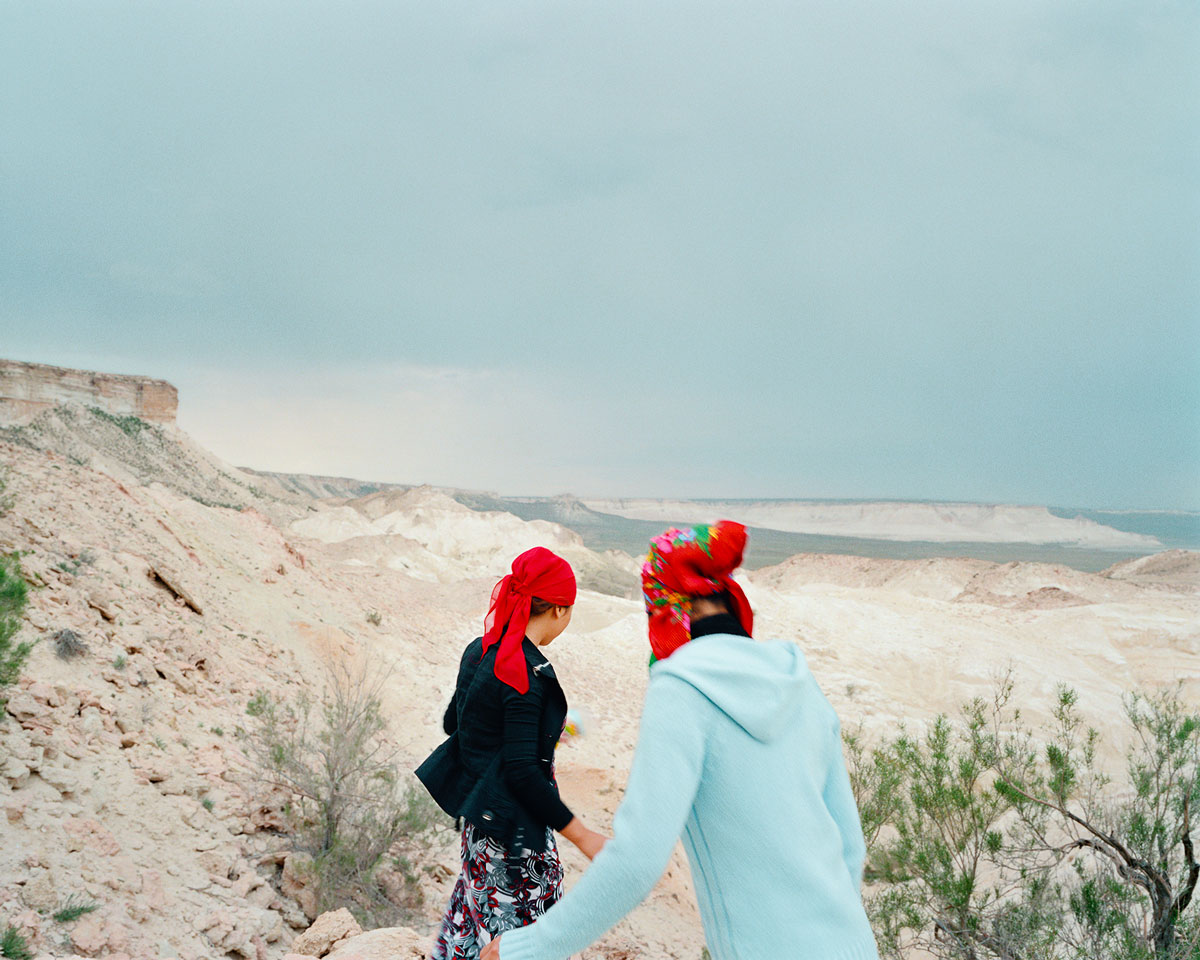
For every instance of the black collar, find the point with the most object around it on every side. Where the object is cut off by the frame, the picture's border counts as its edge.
(537, 660)
(718, 623)
(533, 654)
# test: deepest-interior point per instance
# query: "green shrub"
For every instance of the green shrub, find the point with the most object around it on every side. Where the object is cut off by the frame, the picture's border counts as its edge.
(987, 843)
(350, 807)
(6, 498)
(1135, 873)
(73, 909)
(14, 946)
(129, 424)
(13, 596)
(939, 842)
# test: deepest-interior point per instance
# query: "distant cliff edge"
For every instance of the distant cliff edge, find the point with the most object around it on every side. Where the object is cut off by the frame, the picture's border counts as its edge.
(26, 389)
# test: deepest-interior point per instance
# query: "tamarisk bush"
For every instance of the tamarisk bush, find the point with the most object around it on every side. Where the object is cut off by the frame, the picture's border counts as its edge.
(351, 808)
(988, 842)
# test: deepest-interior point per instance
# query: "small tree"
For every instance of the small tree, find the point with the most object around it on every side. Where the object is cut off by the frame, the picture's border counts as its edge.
(994, 845)
(1133, 863)
(942, 843)
(13, 597)
(350, 807)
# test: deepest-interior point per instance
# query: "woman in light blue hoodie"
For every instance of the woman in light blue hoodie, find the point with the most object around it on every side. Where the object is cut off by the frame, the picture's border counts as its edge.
(740, 754)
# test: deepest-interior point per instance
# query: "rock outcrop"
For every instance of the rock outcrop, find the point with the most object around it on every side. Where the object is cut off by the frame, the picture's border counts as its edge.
(331, 930)
(387, 943)
(26, 389)
(335, 936)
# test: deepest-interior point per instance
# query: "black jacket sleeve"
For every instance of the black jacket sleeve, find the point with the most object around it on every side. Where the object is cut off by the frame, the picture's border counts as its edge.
(522, 769)
(450, 718)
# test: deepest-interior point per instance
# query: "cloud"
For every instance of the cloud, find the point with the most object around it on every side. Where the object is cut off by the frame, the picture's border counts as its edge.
(817, 248)
(451, 426)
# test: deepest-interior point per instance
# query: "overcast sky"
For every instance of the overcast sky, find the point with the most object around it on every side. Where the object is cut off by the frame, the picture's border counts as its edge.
(940, 250)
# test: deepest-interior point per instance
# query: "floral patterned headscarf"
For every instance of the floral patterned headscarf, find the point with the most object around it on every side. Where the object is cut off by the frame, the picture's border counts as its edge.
(687, 563)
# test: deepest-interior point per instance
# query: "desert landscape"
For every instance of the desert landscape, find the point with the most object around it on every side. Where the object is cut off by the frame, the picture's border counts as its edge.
(168, 589)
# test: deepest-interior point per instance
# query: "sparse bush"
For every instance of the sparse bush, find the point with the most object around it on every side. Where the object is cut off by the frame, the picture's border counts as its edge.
(1134, 870)
(350, 806)
(128, 424)
(72, 566)
(68, 645)
(208, 804)
(6, 498)
(374, 617)
(218, 731)
(257, 704)
(13, 597)
(988, 844)
(120, 662)
(938, 841)
(205, 501)
(876, 783)
(14, 946)
(74, 908)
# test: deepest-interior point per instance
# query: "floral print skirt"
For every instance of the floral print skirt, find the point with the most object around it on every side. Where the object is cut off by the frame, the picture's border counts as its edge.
(497, 890)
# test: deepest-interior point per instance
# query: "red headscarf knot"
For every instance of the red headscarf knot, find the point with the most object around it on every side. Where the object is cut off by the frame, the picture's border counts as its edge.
(535, 573)
(682, 564)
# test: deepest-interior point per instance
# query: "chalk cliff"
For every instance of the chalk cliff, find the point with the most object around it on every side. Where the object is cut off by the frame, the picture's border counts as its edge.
(26, 389)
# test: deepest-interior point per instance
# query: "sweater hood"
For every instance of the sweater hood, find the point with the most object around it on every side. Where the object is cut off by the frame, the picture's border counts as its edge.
(759, 686)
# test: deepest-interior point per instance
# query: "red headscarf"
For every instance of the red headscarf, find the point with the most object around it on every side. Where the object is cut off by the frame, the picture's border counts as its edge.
(682, 564)
(535, 573)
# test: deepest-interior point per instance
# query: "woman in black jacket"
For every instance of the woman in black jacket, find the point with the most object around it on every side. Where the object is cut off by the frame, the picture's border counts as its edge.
(496, 770)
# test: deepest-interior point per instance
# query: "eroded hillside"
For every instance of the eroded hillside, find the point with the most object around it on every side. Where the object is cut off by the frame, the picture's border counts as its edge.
(123, 776)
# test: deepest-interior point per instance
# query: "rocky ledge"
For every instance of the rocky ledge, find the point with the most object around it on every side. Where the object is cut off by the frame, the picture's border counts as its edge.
(26, 389)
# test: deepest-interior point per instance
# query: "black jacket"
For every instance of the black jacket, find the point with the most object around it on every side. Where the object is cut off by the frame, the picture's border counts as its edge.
(495, 768)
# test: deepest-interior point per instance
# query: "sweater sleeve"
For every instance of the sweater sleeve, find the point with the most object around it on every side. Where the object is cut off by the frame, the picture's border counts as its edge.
(522, 767)
(667, 767)
(839, 801)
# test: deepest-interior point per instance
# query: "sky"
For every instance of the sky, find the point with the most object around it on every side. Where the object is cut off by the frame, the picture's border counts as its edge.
(933, 250)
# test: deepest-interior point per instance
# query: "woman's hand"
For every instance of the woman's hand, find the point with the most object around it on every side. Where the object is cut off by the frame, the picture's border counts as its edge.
(588, 841)
(591, 844)
(491, 951)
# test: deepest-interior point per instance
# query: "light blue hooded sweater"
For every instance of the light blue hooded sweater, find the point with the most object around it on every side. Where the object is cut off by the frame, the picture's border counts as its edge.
(740, 752)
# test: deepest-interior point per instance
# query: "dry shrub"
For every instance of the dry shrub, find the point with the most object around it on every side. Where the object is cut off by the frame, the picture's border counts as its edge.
(362, 819)
(13, 597)
(68, 645)
(6, 498)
